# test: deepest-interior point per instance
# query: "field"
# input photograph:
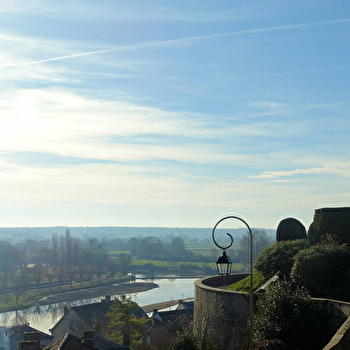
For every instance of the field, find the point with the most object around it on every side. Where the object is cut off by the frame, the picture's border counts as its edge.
(206, 250)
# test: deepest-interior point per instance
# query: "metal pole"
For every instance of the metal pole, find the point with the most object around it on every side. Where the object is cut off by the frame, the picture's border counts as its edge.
(251, 302)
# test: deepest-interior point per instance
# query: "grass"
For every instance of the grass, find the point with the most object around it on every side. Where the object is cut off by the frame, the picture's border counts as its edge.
(244, 284)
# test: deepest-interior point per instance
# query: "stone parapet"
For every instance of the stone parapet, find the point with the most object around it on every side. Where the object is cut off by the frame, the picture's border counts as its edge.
(220, 315)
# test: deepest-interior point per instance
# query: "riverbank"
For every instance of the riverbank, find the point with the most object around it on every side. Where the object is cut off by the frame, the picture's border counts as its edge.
(67, 294)
(95, 292)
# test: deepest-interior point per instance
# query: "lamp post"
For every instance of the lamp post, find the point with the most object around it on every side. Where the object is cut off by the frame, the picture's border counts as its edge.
(224, 264)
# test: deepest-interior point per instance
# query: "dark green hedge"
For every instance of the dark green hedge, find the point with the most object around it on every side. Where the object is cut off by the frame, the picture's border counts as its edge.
(279, 258)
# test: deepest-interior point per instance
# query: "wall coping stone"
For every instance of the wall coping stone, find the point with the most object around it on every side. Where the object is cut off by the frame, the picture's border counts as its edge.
(220, 282)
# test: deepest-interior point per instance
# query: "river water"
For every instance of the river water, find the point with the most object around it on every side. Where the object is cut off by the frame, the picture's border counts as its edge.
(45, 317)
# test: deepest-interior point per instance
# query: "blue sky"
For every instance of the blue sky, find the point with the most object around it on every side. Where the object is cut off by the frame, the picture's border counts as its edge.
(158, 113)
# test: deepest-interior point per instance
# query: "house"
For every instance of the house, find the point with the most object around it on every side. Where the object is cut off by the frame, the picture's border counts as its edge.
(187, 305)
(91, 316)
(165, 324)
(11, 336)
(90, 341)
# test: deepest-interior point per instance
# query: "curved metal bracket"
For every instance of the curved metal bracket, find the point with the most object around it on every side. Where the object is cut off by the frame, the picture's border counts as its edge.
(216, 243)
(231, 238)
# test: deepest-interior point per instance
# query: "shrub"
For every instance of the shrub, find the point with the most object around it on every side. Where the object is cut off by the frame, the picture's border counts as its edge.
(184, 341)
(279, 258)
(284, 312)
(270, 344)
(324, 270)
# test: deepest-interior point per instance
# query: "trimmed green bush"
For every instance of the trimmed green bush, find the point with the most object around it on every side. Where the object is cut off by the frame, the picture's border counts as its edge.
(279, 258)
(324, 270)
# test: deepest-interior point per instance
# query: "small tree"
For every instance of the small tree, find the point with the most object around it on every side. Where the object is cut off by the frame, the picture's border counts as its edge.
(124, 327)
(260, 241)
(124, 261)
(38, 273)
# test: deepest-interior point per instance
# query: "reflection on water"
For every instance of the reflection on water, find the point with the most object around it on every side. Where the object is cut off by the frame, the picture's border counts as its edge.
(44, 317)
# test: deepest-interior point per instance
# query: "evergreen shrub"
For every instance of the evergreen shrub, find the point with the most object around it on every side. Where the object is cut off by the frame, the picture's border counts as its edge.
(279, 258)
(324, 270)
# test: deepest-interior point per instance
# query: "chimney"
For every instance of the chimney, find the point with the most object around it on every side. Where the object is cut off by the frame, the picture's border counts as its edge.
(108, 298)
(32, 336)
(29, 345)
(89, 338)
(32, 339)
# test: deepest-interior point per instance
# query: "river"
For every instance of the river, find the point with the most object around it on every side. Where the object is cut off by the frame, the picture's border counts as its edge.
(45, 317)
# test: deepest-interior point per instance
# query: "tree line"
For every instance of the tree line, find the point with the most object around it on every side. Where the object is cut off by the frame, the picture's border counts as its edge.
(67, 259)
(64, 258)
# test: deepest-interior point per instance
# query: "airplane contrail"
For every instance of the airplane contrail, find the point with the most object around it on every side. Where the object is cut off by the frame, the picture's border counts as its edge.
(57, 58)
(183, 41)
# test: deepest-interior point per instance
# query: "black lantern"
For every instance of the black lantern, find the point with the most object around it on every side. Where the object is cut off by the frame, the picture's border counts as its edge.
(224, 264)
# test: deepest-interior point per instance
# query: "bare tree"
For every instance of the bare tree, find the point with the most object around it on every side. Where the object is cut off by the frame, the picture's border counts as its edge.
(38, 273)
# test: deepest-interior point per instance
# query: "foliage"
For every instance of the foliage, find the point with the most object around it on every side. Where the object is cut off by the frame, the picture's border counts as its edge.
(279, 258)
(124, 327)
(177, 251)
(244, 284)
(270, 344)
(260, 241)
(324, 269)
(184, 341)
(152, 248)
(284, 312)
(124, 262)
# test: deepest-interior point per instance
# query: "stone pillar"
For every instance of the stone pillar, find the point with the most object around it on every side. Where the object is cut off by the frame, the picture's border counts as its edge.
(334, 221)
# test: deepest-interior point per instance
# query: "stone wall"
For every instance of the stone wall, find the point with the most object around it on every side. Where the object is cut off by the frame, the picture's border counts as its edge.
(331, 220)
(339, 322)
(220, 315)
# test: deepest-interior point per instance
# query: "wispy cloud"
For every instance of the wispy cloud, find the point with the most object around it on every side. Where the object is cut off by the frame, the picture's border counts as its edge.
(338, 168)
(280, 111)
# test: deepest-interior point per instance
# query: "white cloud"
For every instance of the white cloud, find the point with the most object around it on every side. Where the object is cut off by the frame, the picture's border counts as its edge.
(63, 123)
(339, 168)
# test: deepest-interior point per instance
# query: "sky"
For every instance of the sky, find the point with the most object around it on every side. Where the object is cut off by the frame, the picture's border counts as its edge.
(159, 113)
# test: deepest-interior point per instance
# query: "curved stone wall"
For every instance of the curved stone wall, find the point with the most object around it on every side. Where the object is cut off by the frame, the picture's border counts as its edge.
(220, 315)
(331, 220)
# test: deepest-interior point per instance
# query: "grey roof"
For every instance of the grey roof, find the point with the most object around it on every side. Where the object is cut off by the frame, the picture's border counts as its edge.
(102, 343)
(167, 316)
(19, 331)
(98, 310)
(68, 342)
(188, 305)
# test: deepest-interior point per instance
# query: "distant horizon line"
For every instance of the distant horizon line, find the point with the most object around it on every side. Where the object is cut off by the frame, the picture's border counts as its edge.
(102, 226)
